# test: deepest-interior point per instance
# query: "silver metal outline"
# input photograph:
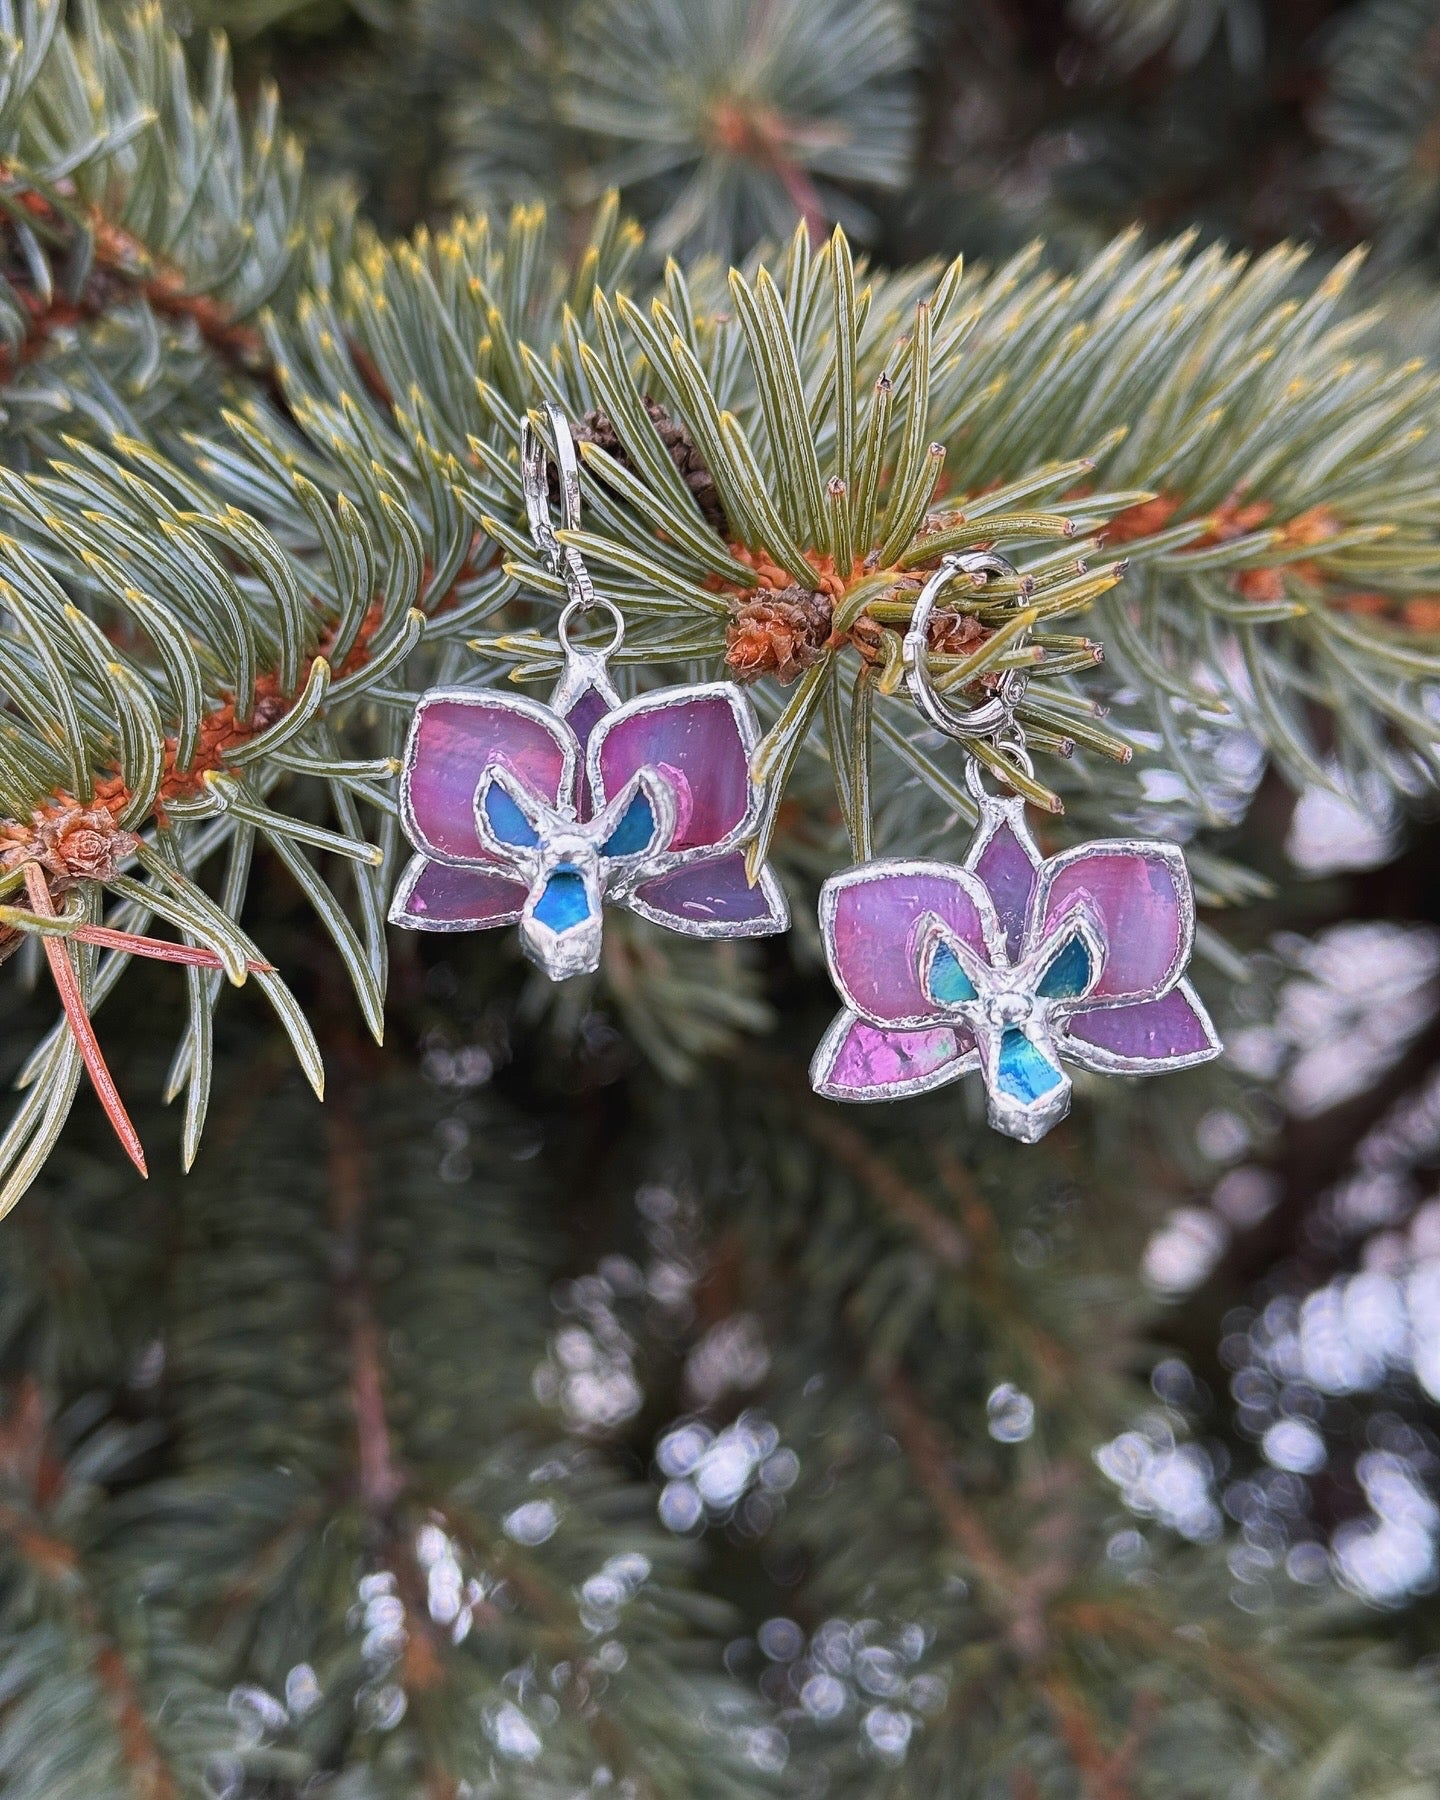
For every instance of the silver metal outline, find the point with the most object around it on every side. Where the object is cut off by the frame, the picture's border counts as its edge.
(583, 668)
(964, 1062)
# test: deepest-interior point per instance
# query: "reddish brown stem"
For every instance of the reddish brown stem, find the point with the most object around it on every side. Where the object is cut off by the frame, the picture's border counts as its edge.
(33, 1469)
(921, 1442)
(380, 1480)
(73, 1001)
(194, 956)
(942, 1237)
(1103, 1774)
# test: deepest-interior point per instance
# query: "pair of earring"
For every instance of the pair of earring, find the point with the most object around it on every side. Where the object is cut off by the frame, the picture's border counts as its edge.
(541, 815)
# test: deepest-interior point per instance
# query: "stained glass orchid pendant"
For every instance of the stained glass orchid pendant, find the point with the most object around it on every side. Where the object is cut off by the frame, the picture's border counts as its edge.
(541, 815)
(1009, 964)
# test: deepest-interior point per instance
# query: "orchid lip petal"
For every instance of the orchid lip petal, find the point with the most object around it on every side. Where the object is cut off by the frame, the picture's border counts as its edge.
(1026, 1089)
(562, 924)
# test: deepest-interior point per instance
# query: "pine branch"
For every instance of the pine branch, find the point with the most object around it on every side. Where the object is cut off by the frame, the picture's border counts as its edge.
(80, 1705)
(1378, 120)
(773, 466)
(140, 224)
(722, 127)
(994, 1546)
(428, 1480)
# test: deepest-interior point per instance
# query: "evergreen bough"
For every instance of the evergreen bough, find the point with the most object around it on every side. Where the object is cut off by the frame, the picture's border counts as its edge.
(260, 490)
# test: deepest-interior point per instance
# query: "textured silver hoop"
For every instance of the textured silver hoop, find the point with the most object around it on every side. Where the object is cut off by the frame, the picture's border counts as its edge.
(991, 716)
(561, 559)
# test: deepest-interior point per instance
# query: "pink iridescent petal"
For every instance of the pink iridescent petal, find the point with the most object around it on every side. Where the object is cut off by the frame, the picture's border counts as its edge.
(859, 1061)
(1146, 1038)
(1138, 897)
(712, 898)
(873, 919)
(456, 736)
(702, 742)
(1008, 871)
(438, 897)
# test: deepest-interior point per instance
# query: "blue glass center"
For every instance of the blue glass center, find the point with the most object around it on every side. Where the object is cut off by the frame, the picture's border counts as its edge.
(506, 819)
(1022, 1071)
(1069, 973)
(564, 903)
(948, 981)
(635, 829)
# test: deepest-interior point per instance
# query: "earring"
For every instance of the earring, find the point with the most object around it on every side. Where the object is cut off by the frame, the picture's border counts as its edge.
(541, 815)
(1009, 964)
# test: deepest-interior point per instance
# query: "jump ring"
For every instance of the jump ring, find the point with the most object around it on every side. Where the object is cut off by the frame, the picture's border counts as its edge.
(576, 608)
(1012, 750)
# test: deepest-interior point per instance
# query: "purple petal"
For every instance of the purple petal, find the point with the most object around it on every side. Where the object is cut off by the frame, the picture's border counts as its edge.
(712, 897)
(701, 743)
(1139, 898)
(1009, 872)
(582, 719)
(859, 1061)
(872, 919)
(586, 713)
(438, 897)
(456, 736)
(1146, 1038)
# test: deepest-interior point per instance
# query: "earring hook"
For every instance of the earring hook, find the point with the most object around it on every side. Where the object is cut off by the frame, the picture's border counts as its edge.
(991, 717)
(561, 559)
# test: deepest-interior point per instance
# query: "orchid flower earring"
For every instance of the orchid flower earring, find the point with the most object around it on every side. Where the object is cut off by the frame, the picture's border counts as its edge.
(1008, 964)
(542, 814)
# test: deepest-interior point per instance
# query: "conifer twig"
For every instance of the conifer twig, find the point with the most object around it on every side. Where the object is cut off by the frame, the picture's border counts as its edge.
(78, 1018)
(24, 1443)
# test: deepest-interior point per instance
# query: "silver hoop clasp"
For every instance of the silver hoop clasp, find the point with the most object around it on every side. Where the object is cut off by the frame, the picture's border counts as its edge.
(561, 559)
(992, 716)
